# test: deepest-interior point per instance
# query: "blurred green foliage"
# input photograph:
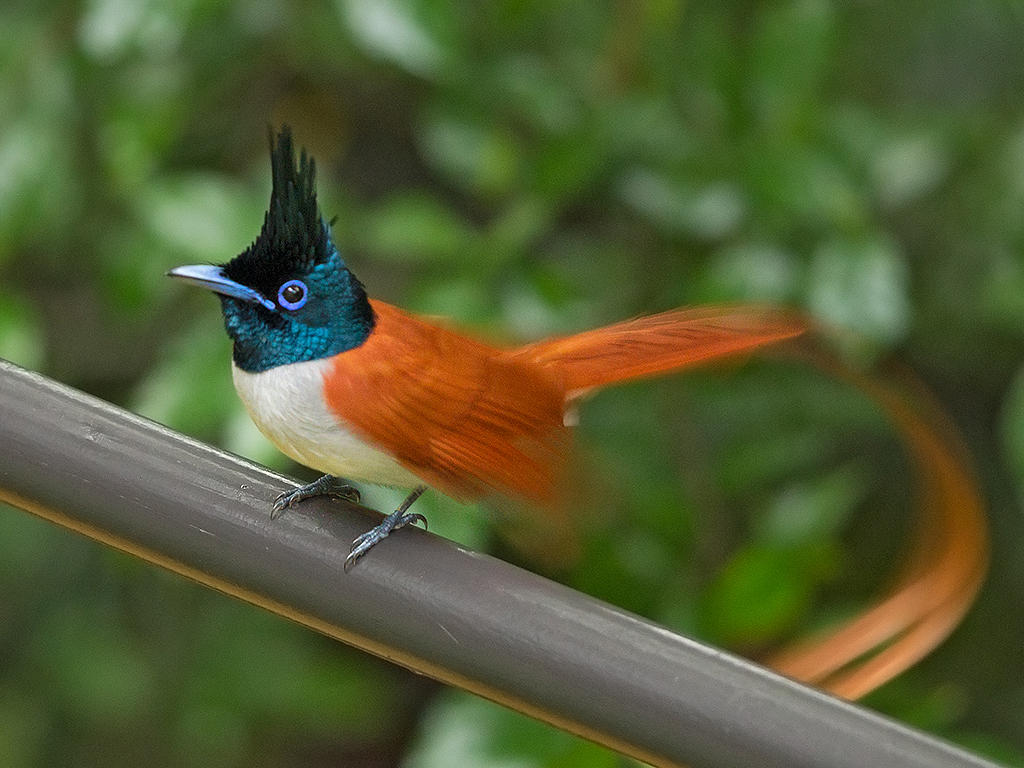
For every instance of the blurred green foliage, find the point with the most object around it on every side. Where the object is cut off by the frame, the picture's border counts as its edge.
(525, 168)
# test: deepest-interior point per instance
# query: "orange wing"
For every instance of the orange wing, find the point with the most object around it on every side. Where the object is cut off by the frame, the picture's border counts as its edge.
(660, 343)
(470, 419)
(452, 410)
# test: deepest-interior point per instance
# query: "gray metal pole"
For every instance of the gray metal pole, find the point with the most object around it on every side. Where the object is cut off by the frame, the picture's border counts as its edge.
(423, 602)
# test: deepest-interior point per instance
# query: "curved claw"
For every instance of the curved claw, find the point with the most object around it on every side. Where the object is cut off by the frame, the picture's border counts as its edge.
(328, 485)
(367, 541)
(283, 501)
(413, 517)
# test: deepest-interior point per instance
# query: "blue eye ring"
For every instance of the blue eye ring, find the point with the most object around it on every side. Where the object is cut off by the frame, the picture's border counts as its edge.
(288, 298)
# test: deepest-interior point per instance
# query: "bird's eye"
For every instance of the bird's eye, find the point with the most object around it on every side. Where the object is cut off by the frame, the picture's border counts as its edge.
(292, 294)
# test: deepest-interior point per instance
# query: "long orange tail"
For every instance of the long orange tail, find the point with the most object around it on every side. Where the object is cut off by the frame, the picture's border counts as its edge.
(648, 346)
(946, 560)
(942, 571)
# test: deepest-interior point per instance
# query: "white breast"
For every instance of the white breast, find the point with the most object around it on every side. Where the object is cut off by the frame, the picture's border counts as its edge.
(287, 404)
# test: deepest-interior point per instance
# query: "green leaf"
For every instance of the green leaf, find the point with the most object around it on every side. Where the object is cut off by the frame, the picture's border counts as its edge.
(862, 286)
(417, 227)
(812, 510)
(909, 167)
(391, 30)
(202, 216)
(21, 334)
(791, 58)
(712, 212)
(762, 592)
(482, 158)
(751, 272)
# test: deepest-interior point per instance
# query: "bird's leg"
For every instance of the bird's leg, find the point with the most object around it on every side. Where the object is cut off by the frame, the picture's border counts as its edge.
(328, 485)
(397, 519)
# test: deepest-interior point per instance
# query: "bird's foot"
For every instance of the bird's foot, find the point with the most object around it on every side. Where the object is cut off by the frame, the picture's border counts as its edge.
(328, 485)
(363, 544)
(397, 519)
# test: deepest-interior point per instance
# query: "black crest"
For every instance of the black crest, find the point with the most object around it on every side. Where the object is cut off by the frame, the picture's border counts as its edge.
(294, 237)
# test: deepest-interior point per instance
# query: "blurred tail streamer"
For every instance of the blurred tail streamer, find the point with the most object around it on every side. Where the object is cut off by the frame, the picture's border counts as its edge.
(942, 571)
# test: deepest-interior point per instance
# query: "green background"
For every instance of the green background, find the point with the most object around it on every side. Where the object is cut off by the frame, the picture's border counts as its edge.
(525, 168)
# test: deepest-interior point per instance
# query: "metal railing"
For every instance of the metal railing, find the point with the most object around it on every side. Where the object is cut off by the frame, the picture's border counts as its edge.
(460, 617)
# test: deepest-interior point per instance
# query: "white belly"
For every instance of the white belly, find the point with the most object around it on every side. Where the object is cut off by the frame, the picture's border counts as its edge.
(287, 404)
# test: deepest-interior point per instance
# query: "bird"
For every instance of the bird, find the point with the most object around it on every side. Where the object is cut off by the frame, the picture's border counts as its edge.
(361, 390)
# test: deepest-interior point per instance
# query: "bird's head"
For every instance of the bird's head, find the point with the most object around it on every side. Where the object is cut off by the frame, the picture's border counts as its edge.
(288, 297)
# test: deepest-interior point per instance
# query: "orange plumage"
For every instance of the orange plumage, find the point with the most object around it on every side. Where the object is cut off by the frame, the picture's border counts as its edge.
(361, 389)
(470, 418)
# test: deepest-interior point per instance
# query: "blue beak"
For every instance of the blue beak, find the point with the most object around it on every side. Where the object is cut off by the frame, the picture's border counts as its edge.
(213, 278)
